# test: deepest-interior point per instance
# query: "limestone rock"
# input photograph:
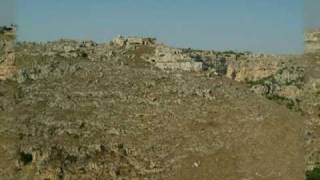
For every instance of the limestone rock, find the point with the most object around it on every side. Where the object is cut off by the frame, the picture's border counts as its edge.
(312, 40)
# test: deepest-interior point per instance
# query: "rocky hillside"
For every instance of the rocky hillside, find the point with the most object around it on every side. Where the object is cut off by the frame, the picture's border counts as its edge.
(312, 40)
(134, 108)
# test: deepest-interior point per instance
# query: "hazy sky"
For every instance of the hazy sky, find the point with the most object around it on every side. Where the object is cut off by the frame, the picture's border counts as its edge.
(255, 25)
(312, 13)
(7, 12)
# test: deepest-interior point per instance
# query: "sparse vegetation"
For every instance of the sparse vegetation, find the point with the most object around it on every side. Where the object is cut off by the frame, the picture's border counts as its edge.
(290, 103)
(292, 76)
(25, 158)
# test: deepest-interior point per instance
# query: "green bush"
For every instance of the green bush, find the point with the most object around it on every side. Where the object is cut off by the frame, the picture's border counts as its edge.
(313, 174)
(26, 158)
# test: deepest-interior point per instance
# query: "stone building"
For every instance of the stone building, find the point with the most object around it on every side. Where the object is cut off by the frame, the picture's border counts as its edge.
(124, 41)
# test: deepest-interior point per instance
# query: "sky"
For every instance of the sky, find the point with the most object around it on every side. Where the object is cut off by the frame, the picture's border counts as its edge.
(312, 13)
(7, 12)
(270, 26)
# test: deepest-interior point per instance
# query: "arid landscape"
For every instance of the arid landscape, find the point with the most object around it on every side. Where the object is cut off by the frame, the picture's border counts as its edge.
(135, 108)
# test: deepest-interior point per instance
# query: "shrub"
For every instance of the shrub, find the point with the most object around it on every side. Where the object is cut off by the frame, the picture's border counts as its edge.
(313, 174)
(26, 158)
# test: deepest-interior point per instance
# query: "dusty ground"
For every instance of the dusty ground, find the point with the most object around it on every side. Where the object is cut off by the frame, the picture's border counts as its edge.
(122, 118)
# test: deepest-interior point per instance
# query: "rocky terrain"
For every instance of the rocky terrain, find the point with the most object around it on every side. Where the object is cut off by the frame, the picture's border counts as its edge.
(310, 101)
(7, 40)
(134, 108)
(312, 40)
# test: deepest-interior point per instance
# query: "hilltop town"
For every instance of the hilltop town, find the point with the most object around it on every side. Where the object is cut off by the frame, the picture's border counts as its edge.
(135, 108)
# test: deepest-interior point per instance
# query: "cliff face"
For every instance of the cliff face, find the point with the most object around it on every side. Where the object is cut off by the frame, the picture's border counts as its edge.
(7, 55)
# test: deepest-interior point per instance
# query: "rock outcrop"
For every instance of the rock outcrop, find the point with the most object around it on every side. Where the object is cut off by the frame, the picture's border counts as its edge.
(168, 58)
(312, 40)
(7, 55)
